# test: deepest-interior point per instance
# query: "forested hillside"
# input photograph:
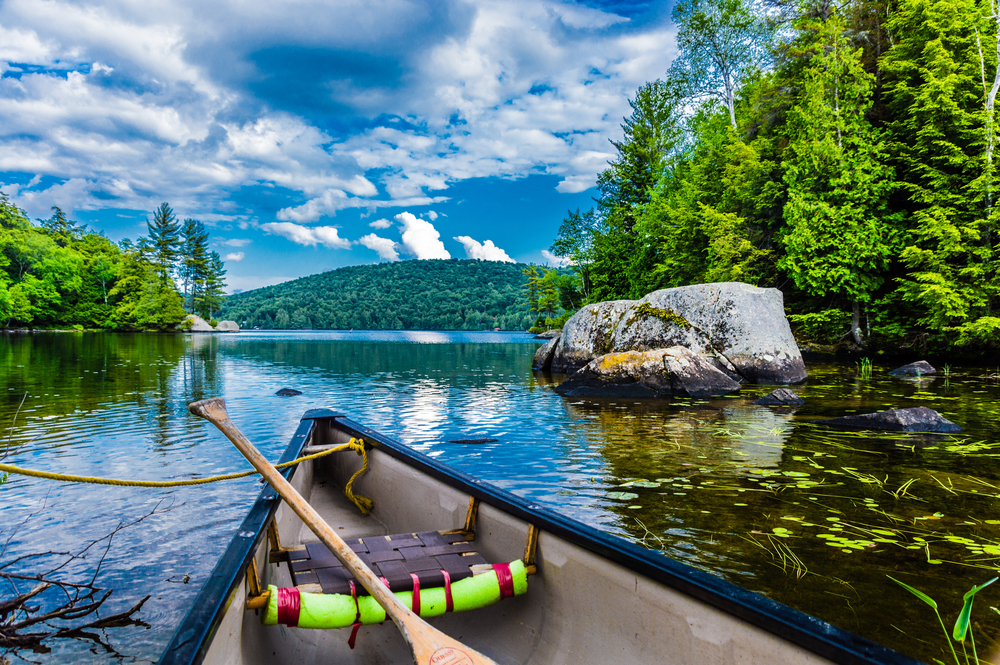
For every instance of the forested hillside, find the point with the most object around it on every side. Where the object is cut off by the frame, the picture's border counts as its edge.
(844, 152)
(404, 295)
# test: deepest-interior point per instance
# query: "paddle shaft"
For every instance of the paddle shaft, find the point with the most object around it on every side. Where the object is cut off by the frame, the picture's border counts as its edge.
(429, 645)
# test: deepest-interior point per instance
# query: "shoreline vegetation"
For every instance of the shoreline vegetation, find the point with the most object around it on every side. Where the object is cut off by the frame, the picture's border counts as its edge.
(843, 153)
(58, 274)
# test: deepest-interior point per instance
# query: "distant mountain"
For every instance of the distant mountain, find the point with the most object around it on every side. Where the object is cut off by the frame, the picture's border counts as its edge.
(404, 295)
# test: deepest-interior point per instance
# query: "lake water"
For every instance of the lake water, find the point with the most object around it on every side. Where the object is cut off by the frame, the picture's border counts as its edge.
(762, 497)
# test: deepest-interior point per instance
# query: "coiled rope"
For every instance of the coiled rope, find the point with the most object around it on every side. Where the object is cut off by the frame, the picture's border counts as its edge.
(364, 504)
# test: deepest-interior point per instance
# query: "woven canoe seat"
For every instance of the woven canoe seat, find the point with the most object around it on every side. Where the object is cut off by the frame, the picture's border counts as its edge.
(394, 558)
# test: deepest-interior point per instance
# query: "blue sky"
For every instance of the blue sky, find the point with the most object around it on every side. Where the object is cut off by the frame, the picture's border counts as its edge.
(311, 134)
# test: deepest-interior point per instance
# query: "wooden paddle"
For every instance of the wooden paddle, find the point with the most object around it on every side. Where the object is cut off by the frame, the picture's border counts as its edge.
(429, 645)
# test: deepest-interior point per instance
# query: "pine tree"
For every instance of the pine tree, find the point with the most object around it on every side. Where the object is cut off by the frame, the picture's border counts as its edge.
(839, 234)
(934, 85)
(623, 255)
(164, 236)
(214, 286)
(194, 261)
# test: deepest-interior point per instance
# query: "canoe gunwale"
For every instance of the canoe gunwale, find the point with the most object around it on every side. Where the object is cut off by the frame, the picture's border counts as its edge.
(192, 638)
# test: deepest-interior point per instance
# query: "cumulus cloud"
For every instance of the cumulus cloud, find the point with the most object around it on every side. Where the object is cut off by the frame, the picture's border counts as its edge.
(431, 215)
(135, 103)
(303, 235)
(380, 224)
(485, 251)
(235, 257)
(556, 261)
(386, 248)
(420, 238)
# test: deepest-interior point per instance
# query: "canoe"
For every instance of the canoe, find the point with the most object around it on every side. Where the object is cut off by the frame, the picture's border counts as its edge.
(591, 597)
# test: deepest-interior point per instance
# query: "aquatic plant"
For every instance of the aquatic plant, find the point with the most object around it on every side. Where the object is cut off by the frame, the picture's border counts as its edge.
(947, 370)
(963, 624)
(865, 368)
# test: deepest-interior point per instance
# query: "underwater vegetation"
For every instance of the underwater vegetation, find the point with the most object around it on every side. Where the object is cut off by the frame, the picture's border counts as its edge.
(813, 517)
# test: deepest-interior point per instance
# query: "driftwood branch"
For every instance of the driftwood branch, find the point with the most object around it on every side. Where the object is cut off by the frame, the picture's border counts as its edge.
(76, 600)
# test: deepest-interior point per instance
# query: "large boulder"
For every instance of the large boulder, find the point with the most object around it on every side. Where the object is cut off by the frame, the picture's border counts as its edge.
(740, 328)
(549, 334)
(917, 419)
(194, 323)
(658, 373)
(543, 356)
(587, 335)
(227, 326)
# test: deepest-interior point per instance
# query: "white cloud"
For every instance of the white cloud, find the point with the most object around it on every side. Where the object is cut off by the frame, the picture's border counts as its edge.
(556, 261)
(380, 224)
(431, 215)
(235, 257)
(420, 238)
(304, 235)
(236, 242)
(135, 103)
(386, 248)
(333, 200)
(485, 251)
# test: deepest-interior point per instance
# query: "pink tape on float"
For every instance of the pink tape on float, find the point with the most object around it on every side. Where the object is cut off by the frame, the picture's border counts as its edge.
(416, 594)
(357, 617)
(449, 602)
(289, 604)
(505, 579)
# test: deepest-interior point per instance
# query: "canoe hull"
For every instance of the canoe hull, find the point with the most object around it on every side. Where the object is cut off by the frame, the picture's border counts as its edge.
(595, 598)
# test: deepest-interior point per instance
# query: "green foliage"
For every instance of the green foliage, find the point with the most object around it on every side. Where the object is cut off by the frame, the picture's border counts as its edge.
(838, 240)
(404, 295)
(963, 624)
(622, 252)
(59, 274)
(857, 173)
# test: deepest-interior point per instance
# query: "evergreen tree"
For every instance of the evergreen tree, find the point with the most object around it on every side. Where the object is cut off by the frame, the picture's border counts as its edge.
(839, 238)
(194, 262)
(214, 287)
(935, 91)
(624, 255)
(165, 241)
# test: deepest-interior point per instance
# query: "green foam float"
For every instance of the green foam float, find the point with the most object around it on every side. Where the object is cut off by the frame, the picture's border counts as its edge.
(335, 610)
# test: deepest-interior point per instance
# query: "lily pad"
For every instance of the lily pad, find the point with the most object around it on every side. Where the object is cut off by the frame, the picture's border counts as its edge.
(624, 496)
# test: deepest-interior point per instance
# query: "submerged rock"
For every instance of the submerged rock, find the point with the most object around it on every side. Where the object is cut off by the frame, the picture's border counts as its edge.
(288, 392)
(781, 397)
(658, 373)
(917, 419)
(543, 356)
(919, 368)
(741, 329)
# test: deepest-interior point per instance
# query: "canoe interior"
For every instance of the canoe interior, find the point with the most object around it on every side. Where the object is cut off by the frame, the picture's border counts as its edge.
(580, 607)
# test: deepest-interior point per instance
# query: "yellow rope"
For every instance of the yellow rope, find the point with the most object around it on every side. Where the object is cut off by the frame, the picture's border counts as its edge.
(363, 504)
